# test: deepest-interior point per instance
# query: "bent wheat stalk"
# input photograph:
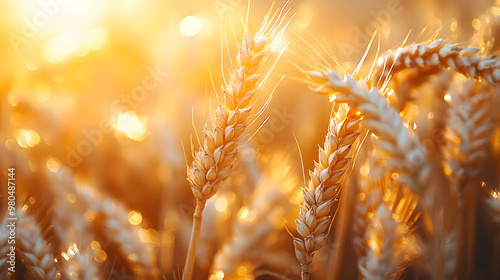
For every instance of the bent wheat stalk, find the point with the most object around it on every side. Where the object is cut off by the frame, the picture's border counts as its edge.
(324, 187)
(405, 154)
(438, 53)
(212, 164)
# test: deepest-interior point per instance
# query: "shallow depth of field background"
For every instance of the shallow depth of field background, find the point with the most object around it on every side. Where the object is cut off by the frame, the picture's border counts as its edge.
(114, 90)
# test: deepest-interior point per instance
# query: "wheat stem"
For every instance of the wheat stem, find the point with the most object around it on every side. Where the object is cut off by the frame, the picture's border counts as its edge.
(213, 163)
(195, 237)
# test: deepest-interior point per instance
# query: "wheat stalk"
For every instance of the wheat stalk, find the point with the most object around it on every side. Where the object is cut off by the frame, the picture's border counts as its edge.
(212, 164)
(324, 187)
(33, 250)
(405, 154)
(438, 53)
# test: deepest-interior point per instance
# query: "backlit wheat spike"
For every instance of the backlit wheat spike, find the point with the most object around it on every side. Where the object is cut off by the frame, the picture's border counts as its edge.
(404, 152)
(438, 53)
(326, 181)
(390, 246)
(385, 214)
(69, 222)
(117, 228)
(79, 265)
(468, 131)
(212, 164)
(34, 252)
(258, 223)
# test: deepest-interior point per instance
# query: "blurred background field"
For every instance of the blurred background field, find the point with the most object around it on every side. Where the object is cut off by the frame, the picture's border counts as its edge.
(114, 91)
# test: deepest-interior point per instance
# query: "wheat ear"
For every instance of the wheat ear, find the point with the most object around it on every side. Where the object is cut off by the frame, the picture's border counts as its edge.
(468, 131)
(468, 136)
(385, 215)
(115, 225)
(34, 252)
(405, 154)
(390, 246)
(69, 223)
(438, 53)
(324, 187)
(212, 164)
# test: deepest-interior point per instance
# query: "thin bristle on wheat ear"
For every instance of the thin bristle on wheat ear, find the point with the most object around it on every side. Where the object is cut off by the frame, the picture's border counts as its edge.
(325, 184)
(212, 164)
(405, 154)
(438, 53)
(34, 252)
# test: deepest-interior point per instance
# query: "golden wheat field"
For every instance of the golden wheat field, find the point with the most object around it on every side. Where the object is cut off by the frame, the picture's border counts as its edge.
(227, 139)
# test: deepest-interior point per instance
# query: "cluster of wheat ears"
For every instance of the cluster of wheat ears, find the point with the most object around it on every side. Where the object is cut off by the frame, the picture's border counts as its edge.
(413, 195)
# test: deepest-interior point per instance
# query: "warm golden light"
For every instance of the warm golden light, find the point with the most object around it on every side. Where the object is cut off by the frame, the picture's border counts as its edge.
(447, 97)
(221, 204)
(100, 256)
(53, 164)
(190, 26)
(219, 275)
(130, 125)
(27, 138)
(71, 197)
(243, 213)
(135, 218)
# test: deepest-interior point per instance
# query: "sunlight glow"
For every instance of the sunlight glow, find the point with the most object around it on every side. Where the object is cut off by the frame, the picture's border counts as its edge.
(190, 26)
(130, 125)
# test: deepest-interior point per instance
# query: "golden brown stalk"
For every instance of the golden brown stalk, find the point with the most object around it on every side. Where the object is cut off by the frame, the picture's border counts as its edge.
(325, 185)
(34, 252)
(212, 164)
(405, 155)
(438, 53)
